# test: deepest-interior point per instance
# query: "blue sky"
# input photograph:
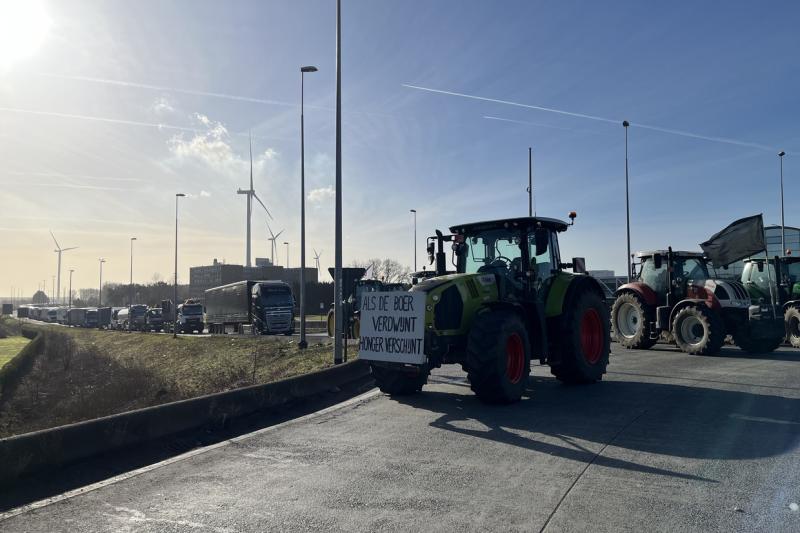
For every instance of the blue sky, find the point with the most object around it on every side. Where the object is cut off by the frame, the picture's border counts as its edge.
(83, 153)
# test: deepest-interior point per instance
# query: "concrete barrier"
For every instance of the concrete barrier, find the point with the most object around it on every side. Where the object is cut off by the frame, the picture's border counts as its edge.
(56, 447)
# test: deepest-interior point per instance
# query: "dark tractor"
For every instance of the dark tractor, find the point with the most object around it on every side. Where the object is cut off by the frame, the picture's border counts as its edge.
(506, 302)
(354, 289)
(675, 294)
(781, 285)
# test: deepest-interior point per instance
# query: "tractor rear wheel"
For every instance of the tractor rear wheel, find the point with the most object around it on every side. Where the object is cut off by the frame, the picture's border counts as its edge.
(398, 382)
(630, 319)
(791, 319)
(698, 330)
(498, 357)
(584, 355)
(331, 323)
(756, 346)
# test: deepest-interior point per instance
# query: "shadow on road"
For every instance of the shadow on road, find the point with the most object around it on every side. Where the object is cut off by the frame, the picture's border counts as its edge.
(664, 419)
(789, 354)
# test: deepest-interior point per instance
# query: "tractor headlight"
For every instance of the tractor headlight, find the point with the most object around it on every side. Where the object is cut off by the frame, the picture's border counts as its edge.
(429, 308)
(435, 298)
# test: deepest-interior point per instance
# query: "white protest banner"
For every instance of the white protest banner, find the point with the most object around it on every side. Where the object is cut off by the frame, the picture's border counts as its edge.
(393, 327)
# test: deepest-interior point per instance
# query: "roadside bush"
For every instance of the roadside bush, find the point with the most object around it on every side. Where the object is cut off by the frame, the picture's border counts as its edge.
(59, 347)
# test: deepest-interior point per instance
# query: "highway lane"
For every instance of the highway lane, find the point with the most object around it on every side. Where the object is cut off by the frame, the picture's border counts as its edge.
(666, 442)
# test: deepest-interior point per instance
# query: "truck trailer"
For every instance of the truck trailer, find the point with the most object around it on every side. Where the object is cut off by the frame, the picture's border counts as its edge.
(266, 306)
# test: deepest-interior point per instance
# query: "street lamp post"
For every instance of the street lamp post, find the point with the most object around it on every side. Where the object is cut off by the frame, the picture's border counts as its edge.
(415, 239)
(303, 343)
(338, 346)
(71, 270)
(130, 289)
(287, 254)
(625, 125)
(100, 293)
(783, 227)
(175, 288)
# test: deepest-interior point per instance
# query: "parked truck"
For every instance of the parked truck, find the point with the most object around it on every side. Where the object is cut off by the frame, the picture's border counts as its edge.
(265, 306)
(154, 319)
(189, 316)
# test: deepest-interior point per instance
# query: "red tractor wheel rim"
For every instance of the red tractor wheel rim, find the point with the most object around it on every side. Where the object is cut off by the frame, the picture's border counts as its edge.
(515, 358)
(591, 336)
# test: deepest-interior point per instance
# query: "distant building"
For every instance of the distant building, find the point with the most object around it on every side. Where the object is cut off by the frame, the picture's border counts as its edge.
(202, 278)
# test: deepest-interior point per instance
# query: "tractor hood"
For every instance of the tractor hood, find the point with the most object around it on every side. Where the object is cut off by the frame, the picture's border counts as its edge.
(429, 284)
(452, 299)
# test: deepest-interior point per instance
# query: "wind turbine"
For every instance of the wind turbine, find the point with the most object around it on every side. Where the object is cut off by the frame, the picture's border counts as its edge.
(316, 258)
(251, 193)
(273, 237)
(59, 251)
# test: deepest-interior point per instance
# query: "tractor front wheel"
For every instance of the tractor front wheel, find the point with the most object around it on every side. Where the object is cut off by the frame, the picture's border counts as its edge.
(698, 330)
(398, 382)
(584, 356)
(791, 319)
(498, 357)
(630, 319)
(331, 322)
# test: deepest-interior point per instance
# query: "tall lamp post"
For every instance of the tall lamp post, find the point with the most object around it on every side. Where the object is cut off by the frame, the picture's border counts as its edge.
(415, 238)
(287, 254)
(338, 346)
(783, 227)
(71, 270)
(625, 125)
(130, 288)
(100, 293)
(175, 288)
(303, 344)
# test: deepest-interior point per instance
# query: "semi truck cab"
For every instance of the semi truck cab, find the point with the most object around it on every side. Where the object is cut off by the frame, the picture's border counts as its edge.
(190, 317)
(273, 307)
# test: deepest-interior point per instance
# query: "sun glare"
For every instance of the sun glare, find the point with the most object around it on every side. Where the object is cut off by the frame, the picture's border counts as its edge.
(23, 27)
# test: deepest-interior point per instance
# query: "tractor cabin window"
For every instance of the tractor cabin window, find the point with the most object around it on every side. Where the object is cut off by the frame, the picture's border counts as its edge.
(493, 251)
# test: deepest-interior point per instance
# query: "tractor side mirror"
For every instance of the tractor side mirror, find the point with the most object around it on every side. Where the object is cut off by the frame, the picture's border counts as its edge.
(579, 265)
(431, 252)
(760, 266)
(657, 261)
(459, 248)
(542, 238)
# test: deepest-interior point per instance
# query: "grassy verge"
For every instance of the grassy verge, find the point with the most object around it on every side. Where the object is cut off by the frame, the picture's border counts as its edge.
(85, 374)
(10, 347)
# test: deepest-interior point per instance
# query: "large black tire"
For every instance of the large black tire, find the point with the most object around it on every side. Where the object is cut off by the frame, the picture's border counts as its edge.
(331, 324)
(498, 360)
(397, 382)
(630, 320)
(698, 330)
(756, 346)
(583, 357)
(791, 319)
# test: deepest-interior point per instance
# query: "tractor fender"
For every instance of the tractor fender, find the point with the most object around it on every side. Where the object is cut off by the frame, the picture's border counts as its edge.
(535, 322)
(642, 290)
(791, 303)
(688, 302)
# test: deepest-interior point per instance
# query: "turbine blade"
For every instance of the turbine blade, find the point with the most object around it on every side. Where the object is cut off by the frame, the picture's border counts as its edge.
(251, 163)
(262, 204)
(55, 241)
(72, 248)
(279, 233)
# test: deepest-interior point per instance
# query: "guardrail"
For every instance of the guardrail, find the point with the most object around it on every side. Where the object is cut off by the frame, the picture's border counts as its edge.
(56, 447)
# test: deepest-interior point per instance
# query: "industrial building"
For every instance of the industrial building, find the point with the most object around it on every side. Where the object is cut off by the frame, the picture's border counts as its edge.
(218, 273)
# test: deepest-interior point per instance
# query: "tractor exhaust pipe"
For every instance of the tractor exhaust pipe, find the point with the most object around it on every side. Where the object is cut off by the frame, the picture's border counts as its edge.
(441, 258)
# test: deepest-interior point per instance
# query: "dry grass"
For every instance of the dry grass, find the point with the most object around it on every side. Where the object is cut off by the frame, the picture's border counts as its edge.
(84, 374)
(10, 347)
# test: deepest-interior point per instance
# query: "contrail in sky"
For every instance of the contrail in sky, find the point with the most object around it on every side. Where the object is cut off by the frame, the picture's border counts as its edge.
(680, 133)
(159, 126)
(170, 89)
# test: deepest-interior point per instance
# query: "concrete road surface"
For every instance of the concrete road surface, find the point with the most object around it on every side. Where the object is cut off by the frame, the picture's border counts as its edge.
(668, 442)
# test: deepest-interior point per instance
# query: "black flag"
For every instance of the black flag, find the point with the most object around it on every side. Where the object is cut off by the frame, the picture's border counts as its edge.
(741, 239)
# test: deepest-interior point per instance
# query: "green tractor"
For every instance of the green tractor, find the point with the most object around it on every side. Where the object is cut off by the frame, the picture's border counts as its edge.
(508, 301)
(782, 286)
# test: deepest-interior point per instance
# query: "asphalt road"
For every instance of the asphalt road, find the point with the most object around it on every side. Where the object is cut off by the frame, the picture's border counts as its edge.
(668, 442)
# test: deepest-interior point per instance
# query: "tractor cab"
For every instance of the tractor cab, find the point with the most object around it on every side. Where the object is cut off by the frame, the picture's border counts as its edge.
(785, 282)
(670, 272)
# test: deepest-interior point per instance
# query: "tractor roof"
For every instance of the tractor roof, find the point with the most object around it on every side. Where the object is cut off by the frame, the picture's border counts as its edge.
(675, 253)
(521, 222)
